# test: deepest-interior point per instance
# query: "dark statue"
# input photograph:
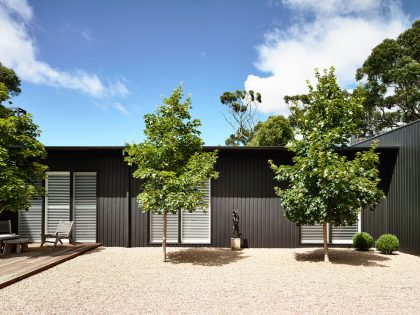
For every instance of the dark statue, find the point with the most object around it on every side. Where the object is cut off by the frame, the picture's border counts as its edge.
(235, 232)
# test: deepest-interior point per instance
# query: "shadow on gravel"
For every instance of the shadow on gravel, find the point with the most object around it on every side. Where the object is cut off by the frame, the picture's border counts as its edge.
(344, 257)
(205, 256)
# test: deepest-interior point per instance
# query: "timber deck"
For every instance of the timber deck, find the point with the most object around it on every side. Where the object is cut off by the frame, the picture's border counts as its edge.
(15, 267)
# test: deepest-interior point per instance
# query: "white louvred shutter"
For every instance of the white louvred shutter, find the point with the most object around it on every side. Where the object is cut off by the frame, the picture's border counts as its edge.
(84, 206)
(30, 222)
(344, 234)
(196, 225)
(311, 234)
(156, 228)
(58, 199)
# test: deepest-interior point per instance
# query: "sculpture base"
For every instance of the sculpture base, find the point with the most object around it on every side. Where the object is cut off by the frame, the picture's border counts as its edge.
(235, 243)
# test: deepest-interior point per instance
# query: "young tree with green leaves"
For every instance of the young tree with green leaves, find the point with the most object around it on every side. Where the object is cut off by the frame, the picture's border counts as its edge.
(242, 108)
(275, 131)
(392, 73)
(21, 154)
(324, 186)
(170, 162)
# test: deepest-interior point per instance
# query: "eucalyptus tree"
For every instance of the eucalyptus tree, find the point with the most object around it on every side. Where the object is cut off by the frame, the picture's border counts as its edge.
(242, 109)
(391, 77)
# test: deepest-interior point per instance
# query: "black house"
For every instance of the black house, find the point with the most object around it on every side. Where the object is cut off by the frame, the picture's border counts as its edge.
(94, 187)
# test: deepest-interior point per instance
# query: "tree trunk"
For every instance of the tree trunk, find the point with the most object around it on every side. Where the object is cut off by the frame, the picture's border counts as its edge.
(165, 220)
(324, 235)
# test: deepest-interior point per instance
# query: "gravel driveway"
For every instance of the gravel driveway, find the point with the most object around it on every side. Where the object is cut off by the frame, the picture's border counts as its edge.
(197, 281)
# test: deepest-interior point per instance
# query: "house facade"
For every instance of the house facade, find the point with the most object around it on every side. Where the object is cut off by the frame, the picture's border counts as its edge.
(94, 187)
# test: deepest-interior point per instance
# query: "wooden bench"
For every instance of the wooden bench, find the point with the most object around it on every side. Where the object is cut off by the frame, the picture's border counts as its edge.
(20, 243)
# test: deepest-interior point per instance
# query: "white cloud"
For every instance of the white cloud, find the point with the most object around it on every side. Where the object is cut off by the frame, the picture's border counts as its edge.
(18, 51)
(115, 106)
(86, 34)
(339, 33)
(121, 108)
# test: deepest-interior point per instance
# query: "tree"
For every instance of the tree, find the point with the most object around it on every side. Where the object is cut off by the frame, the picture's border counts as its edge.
(392, 73)
(170, 162)
(242, 107)
(275, 131)
(21, 154)
(322, 185)
(9, 78)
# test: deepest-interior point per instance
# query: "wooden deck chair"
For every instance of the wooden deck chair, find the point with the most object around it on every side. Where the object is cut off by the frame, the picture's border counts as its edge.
(63, 232)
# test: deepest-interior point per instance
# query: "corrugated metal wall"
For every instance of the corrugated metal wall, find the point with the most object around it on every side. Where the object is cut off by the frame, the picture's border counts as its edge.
(400, 213)
(246, 183)
(112, 188)
(139, 219)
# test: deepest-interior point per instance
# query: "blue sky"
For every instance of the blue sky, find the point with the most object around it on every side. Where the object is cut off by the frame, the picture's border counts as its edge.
(91, 69)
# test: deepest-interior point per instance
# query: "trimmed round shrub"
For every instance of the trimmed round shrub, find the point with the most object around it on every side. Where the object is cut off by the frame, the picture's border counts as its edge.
(387, 243)
(363, 241)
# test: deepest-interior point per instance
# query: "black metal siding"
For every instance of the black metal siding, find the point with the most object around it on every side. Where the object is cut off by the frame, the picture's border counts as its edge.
(246, 183)
(400, 213)
(139, 221)
(112, 189)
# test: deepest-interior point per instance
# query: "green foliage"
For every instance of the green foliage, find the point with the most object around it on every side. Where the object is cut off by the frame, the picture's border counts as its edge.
(4, 94)
(322, 185)
(392, 73)
(387, 244)
(21, 155)
(171, 163)
(362, 241)
(242, 106)
(276, 131)
(9, 78)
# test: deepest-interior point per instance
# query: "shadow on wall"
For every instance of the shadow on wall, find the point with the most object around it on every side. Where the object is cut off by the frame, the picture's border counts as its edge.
(214, 257)
(345, 257)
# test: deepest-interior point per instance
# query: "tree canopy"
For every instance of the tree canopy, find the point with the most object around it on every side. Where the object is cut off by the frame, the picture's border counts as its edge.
(170, 162)
(323, 186)
(392, 73)
(275, 131)
(21, 154)
(242, 106)
(9, 78)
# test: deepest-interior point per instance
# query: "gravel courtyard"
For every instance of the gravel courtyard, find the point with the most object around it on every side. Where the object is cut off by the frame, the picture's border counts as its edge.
(196, 281)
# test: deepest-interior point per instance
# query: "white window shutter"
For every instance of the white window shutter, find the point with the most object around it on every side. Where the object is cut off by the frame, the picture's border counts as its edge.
(84, 212)
(57, 200)
(311, 234)
(344, 234)
(30, 222)
(156, 228)
(196, 225)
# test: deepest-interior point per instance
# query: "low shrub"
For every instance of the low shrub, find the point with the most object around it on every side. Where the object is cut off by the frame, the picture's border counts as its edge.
(387, 243)
(362, 241)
